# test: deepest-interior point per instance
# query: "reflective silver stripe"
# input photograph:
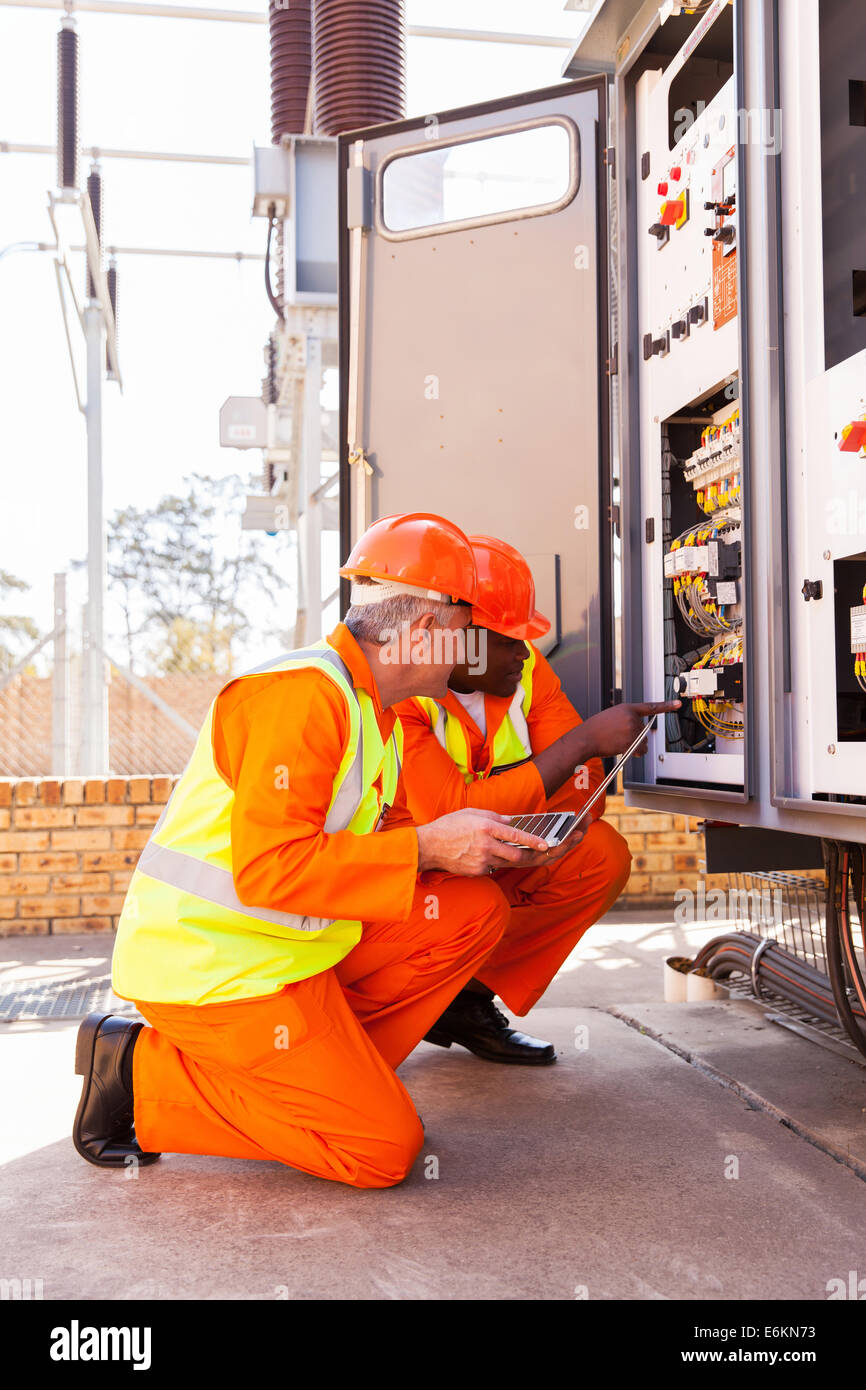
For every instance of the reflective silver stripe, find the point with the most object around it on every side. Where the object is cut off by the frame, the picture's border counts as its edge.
(348, 797)
(355, 770)
(214, 885)
(302, 654)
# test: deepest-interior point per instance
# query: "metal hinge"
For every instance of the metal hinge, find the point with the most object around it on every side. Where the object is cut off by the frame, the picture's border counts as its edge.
(611, 366)
(610, 159)
(358, 456)
(613, 515)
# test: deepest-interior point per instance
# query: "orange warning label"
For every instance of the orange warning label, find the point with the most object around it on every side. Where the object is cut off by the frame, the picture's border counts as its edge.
(724, 286)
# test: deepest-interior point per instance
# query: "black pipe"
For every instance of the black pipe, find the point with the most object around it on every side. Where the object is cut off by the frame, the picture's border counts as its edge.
(779, 972)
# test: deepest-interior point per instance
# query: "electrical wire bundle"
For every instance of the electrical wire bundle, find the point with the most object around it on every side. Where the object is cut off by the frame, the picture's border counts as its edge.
(674, 664)
(840, 995)
(860, 660)
(699, 607)
(846, 878)
(769, 964)
(718, 714)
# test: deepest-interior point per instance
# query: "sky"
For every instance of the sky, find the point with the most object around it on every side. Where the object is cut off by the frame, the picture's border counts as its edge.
(191, 332)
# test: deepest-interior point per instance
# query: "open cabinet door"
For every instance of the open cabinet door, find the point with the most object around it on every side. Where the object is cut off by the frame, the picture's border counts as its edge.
(474, 345)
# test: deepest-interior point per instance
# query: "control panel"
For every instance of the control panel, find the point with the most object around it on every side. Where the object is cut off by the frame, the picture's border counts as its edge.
(693, 493)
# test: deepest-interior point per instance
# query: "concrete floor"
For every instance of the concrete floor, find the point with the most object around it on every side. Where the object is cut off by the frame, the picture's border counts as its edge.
(609, 1176)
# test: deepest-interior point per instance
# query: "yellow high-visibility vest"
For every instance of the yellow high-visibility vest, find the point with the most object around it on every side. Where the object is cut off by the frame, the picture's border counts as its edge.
(511, 742)
(184, 936)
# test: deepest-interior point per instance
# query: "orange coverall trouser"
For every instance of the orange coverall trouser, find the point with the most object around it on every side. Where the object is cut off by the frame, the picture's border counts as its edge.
(209, 1079)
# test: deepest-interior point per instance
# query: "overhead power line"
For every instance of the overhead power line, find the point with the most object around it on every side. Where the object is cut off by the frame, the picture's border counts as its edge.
(414, 31)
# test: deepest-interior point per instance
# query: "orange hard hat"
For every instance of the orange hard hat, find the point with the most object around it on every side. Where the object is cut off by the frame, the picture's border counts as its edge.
(417, 549)
(506, 591)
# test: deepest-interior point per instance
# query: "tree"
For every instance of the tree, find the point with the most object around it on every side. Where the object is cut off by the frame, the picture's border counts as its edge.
(14, 627)
(191, 585)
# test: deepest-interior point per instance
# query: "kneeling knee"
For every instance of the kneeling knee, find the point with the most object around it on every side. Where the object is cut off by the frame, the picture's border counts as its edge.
(395, 1153)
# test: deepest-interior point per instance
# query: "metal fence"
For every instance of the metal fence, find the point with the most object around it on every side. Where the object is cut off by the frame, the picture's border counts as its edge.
(152, 720)
(145, 735)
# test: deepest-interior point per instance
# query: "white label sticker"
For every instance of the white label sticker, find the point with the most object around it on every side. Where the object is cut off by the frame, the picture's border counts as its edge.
(726, 593)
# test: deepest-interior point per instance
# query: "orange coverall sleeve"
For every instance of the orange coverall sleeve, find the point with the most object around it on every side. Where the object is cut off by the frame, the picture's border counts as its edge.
(550, 716)
(279, 746)
(435, 784)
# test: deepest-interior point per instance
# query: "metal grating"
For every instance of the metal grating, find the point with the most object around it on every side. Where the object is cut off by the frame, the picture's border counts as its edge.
(61, 999)
(788, 908)
(791, 910)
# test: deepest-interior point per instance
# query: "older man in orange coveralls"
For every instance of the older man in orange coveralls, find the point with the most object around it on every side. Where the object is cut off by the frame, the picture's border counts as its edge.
(277, 934)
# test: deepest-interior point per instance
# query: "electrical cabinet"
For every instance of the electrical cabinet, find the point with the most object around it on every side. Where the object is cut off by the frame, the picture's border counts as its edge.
(621, 322)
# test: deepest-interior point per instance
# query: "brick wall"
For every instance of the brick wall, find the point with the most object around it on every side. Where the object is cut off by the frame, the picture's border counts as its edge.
(68, 849)
(667, 852)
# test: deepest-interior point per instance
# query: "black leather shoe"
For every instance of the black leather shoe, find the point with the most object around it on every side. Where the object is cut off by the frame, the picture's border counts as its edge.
(475, 1022)
(103, 1132)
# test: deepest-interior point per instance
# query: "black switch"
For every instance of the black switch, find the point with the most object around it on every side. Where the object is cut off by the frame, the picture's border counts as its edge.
(680, 329)
(709, 231)
(726, 235)
(658, 229)
(698, 313)
(645, 165)
(655, 346)
(650, 529)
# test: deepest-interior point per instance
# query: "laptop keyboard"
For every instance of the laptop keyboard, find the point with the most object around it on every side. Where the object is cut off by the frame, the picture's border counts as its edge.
(549, 825)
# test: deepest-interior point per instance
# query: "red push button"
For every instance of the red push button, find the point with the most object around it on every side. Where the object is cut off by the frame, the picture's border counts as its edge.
(663, 189)
(853, 437)
(672, 212)
(676, 173)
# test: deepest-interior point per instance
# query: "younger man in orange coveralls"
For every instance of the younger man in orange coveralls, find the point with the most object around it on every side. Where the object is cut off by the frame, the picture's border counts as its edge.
(553, 904)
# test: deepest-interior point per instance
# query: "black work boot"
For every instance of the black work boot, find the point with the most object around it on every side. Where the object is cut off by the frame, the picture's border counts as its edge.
(474, 1021)
(103, 1132)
